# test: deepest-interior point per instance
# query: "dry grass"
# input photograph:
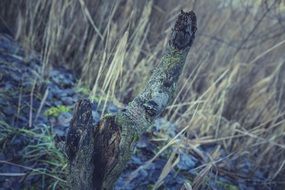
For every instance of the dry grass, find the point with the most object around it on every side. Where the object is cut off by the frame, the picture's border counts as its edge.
(232, 88)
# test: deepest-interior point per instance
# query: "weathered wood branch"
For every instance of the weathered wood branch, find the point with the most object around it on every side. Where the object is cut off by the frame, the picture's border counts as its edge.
(98, 154)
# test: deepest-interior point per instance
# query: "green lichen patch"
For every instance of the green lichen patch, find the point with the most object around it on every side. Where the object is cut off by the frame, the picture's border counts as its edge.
(171, 59)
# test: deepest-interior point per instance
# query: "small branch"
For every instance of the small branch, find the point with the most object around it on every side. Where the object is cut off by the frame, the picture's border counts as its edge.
(159, 91)
(98, 155)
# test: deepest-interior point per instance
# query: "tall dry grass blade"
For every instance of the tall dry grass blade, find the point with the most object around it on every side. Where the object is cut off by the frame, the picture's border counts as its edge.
(87, 14)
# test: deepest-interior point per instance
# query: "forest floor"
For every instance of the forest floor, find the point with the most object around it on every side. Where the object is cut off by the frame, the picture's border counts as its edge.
(34, 118)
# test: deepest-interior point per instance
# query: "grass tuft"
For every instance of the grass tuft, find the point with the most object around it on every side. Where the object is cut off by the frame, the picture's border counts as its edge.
(37, 147)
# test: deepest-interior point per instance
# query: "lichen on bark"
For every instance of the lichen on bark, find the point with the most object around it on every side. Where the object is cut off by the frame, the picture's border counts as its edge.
(98, 154)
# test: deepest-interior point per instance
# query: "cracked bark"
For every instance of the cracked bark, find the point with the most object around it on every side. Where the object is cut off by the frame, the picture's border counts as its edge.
(98, 154)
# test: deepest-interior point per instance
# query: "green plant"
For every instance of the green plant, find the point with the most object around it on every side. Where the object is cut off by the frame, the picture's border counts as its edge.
(56, 111)
(49, 163)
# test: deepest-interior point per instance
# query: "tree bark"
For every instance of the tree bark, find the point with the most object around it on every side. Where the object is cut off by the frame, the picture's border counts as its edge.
(98, 154)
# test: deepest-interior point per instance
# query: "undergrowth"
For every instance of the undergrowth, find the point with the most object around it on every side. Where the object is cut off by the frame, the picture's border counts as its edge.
(35, 155)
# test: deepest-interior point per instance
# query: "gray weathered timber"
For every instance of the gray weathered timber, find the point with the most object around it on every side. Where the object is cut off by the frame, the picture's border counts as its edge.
(98, 154)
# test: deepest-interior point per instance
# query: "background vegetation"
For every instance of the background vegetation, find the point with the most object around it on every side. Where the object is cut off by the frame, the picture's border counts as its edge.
(232, 88)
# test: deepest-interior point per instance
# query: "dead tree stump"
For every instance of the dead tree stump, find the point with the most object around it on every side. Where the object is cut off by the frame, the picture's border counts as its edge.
(98, 154)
